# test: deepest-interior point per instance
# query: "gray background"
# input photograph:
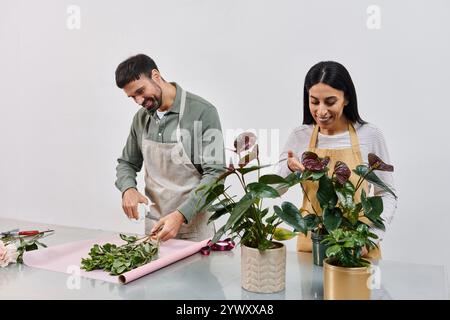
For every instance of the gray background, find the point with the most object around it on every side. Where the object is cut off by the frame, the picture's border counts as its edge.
(63, 122)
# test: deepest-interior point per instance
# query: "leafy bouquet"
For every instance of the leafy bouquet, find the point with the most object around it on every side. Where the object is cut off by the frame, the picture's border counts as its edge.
(119, 259)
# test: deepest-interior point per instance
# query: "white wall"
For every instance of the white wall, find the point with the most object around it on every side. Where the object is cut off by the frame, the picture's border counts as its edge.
(63, 122)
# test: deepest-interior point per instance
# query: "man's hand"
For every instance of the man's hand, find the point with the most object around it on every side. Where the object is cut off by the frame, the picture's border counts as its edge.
(170, 225)
(131, 199)
(293, 163)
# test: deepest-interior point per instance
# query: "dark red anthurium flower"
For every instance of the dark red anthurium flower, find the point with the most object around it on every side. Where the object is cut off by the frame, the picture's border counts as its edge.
(341, 172)
(377, 164)
(244, 141)
(313, 163)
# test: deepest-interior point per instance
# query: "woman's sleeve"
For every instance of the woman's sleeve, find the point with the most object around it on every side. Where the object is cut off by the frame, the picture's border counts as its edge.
(389, 201)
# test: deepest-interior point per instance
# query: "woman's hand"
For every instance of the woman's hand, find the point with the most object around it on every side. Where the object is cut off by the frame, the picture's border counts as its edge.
(293, 163)
(364, 251)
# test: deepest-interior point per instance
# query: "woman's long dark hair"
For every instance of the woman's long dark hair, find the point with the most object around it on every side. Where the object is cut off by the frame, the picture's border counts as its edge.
(336, 76)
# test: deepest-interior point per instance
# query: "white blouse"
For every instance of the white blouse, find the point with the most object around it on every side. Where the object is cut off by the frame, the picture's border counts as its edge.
(371, 140)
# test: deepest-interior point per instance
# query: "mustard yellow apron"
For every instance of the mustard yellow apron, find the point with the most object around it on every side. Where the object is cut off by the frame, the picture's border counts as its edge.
(352, 157)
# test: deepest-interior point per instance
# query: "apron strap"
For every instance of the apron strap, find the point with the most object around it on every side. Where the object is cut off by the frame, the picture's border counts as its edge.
(313, 139)
(180, 116)
(353, 140)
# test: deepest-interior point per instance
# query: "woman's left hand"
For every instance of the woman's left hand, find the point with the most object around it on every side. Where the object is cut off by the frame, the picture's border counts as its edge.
(293, 163)
(364, 251)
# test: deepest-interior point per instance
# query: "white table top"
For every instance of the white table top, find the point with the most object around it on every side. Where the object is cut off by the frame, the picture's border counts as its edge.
(204, 277)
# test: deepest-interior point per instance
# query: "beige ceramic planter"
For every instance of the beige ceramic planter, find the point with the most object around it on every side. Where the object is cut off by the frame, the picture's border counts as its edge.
(263, 271)
(341, 283)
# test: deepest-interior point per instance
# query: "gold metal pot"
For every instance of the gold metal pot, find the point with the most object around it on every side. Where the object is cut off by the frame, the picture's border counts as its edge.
(263, 271)
(340, 283)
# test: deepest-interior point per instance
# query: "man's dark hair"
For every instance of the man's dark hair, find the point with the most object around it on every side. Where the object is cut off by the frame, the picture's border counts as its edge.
(132, 69)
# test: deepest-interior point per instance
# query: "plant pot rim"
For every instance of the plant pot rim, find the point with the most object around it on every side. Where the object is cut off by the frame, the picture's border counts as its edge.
(316, 236)
(344, 269)
(281, 245)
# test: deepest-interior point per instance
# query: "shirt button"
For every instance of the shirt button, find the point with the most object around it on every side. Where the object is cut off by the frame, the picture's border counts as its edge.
(159, 134)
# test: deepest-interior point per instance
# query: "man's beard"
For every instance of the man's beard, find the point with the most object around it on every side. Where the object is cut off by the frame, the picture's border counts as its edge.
(152, 103)
(156, 101)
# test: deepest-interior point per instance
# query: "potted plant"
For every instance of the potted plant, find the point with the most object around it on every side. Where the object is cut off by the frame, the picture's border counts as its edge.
(336, 196)
(263, 258)
(315, 171)
(346, 273)
(348, 224)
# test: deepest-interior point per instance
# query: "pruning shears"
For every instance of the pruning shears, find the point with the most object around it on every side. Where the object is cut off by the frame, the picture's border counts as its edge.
(25, 233)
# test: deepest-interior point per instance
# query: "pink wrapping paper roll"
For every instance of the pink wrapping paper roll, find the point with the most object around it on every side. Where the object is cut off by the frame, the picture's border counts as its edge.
(66, 258)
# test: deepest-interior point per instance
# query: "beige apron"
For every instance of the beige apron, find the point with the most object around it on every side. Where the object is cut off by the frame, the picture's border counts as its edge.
(352, 157)
(169, 182)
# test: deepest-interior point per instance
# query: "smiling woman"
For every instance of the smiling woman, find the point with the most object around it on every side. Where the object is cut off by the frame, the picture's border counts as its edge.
(332, 127)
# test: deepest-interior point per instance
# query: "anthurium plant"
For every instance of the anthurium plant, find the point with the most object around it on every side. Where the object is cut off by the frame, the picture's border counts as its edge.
(341, 219)
(249, 221)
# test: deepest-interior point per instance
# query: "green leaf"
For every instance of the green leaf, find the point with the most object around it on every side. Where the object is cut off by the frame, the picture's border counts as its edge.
(293, 179)
(333, 250)
(312, 176)
(31, 247)
(362, 171)
(40, 244)
(215, 192)
(222, 204)
(272, 179)
(282, 234)
(219, 233)
(126, 238)
(290, 214)
(218, 214)
(325, 194)
(332, 218)
(250, 169)
(241, 226)
(261, 190)
(264, 244)
(354, 213)
(121, 269)
(373, 207)
(349, 244)
(317, 175)
(311, 221)
(240, 208)
(264, 212)
(210, 195)
(271, 219)
(345, 195)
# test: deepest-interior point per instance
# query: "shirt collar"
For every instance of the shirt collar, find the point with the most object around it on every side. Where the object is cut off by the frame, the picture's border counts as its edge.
(175, 108)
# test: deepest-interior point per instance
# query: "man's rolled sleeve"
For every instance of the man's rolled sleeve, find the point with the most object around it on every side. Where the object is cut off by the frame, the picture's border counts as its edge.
(130, 163)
